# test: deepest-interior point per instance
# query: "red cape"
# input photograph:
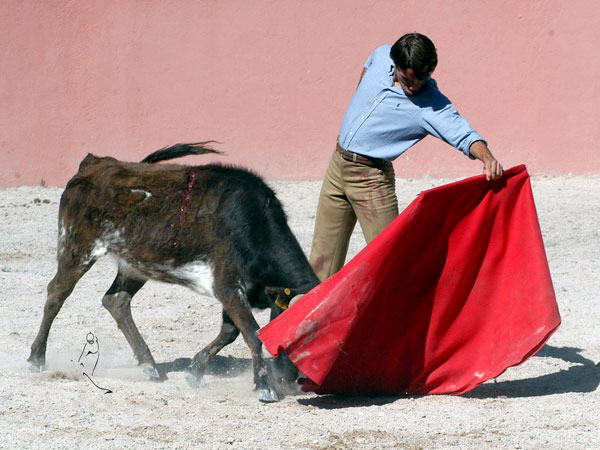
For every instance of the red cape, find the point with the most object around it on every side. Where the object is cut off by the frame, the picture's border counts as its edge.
(453, 292)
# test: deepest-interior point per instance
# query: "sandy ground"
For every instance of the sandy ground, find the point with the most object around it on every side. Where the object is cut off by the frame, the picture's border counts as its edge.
(551, 401)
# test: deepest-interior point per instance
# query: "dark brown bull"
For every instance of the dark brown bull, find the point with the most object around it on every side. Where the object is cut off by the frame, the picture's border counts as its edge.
(215, 229)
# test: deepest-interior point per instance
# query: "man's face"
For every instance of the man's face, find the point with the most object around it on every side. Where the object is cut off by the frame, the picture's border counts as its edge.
(408, 81)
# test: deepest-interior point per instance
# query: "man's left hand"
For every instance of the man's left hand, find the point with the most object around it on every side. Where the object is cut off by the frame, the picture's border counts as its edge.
(491, 167)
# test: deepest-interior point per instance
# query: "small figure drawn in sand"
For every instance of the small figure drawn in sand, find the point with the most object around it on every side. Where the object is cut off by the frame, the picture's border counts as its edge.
(89, 358)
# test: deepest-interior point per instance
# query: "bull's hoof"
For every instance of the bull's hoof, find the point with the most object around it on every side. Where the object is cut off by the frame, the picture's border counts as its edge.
(194, 381)
(36, 365)
(35, 368)
(151, 371)
(268, 395)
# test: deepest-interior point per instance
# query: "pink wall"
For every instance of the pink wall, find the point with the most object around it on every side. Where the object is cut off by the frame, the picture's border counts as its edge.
(271, 80)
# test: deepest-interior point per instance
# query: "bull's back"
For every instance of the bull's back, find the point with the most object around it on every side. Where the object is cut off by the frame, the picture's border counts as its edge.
(158, 213)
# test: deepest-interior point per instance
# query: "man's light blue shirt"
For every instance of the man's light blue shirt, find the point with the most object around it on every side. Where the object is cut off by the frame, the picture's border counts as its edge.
(383, 122)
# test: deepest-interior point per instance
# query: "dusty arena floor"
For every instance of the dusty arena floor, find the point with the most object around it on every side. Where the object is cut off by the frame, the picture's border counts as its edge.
(552, 401)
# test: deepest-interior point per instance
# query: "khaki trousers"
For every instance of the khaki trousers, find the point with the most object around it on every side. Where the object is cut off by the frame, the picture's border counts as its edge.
(350, 191)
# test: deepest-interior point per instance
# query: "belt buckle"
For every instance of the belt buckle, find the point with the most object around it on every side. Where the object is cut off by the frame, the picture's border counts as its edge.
(354, 157)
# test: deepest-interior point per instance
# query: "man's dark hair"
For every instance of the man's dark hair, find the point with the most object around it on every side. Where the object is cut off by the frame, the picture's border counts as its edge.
(415, 51)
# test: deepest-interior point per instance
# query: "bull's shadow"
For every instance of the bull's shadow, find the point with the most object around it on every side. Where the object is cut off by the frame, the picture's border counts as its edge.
(221, 366)
(230, 367)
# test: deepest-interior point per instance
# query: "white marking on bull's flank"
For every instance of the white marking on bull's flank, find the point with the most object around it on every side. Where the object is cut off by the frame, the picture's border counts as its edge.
(199, 276)
(100, 249)
(141, 191)
(104, 242)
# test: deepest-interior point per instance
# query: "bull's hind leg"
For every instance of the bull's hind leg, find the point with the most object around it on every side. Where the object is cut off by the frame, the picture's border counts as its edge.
(70, 270)
(117, 301)
(229, 332)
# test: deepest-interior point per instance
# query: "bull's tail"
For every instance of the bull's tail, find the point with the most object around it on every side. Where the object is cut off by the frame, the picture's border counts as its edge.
(179, 150)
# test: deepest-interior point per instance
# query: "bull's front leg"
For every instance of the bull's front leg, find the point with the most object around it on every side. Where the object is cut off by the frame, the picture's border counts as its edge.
(228, 334)
(235, 304)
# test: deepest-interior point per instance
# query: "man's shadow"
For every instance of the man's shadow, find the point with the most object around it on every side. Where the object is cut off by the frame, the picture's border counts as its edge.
(582, 377)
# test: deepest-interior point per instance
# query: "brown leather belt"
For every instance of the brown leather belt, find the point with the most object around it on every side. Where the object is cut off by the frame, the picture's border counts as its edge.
(362, 159)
